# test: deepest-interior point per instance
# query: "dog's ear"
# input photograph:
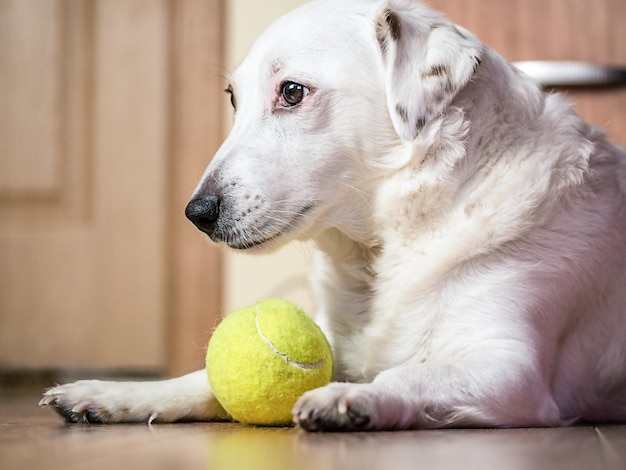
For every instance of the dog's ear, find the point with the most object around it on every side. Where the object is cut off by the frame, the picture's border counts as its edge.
(427, 61)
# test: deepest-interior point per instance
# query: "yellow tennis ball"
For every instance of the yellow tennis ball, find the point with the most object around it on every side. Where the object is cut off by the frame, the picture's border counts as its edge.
(261, 359)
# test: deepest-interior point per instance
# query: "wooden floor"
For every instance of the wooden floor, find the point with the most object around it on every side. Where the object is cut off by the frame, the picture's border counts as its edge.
(33, 438)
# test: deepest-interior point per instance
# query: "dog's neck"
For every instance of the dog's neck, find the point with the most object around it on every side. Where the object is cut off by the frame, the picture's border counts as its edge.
(441, 161)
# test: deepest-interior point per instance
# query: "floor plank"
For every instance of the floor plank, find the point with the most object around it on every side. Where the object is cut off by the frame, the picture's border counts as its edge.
(36, 438)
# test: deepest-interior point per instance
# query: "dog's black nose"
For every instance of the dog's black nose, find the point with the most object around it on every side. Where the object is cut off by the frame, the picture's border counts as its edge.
(203, 212)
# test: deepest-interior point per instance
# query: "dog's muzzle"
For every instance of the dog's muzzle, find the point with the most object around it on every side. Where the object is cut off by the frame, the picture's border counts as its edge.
(203, 212)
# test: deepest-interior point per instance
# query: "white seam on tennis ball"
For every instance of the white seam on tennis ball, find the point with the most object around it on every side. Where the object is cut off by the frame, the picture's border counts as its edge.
(283, 356)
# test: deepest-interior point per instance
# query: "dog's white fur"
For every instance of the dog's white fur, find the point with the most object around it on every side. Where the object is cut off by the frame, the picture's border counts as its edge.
(471, 230)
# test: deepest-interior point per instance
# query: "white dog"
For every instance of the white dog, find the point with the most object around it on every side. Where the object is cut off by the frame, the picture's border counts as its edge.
(471, 229)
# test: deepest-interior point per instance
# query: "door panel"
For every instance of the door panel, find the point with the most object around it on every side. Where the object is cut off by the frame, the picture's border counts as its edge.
(103, 135)
(82, 186)
(45, 58)
(26, 52)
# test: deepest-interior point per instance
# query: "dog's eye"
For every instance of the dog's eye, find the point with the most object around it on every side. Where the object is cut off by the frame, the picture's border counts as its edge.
(293, 93)
(229, 91)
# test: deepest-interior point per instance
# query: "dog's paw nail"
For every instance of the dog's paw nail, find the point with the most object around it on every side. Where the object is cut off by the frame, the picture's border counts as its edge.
(47, 400)
(84, 412)
(359, 421)
(306, 420)
(92, 416)
(301, 415)
(355, 419)
(66, 414)
(81, 407)
(50, 397)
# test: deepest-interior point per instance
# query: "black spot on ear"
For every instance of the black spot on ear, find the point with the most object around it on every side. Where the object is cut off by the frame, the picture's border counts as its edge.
(437, 71)
(402, 112)
(419, 125)
(395, 27)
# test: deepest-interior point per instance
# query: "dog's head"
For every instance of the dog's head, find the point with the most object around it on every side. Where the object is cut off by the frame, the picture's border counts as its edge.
(326, 100)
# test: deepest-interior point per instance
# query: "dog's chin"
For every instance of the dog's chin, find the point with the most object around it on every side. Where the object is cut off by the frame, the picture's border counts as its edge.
(260, 243)
(262, 239)
(264, 244)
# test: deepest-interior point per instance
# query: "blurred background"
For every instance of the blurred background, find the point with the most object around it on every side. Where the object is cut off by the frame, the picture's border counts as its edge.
(109, 112)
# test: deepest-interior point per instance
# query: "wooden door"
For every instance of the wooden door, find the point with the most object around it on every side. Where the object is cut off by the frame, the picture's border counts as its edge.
(95, 168)
(556, 30)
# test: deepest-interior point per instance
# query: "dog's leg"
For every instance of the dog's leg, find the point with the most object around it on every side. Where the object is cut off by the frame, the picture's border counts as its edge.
(186, 398)
(429, 396)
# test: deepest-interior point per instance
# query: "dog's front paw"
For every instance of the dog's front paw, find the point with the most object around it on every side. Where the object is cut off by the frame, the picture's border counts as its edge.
(93, 401)
(187, 398)
(338, 407)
